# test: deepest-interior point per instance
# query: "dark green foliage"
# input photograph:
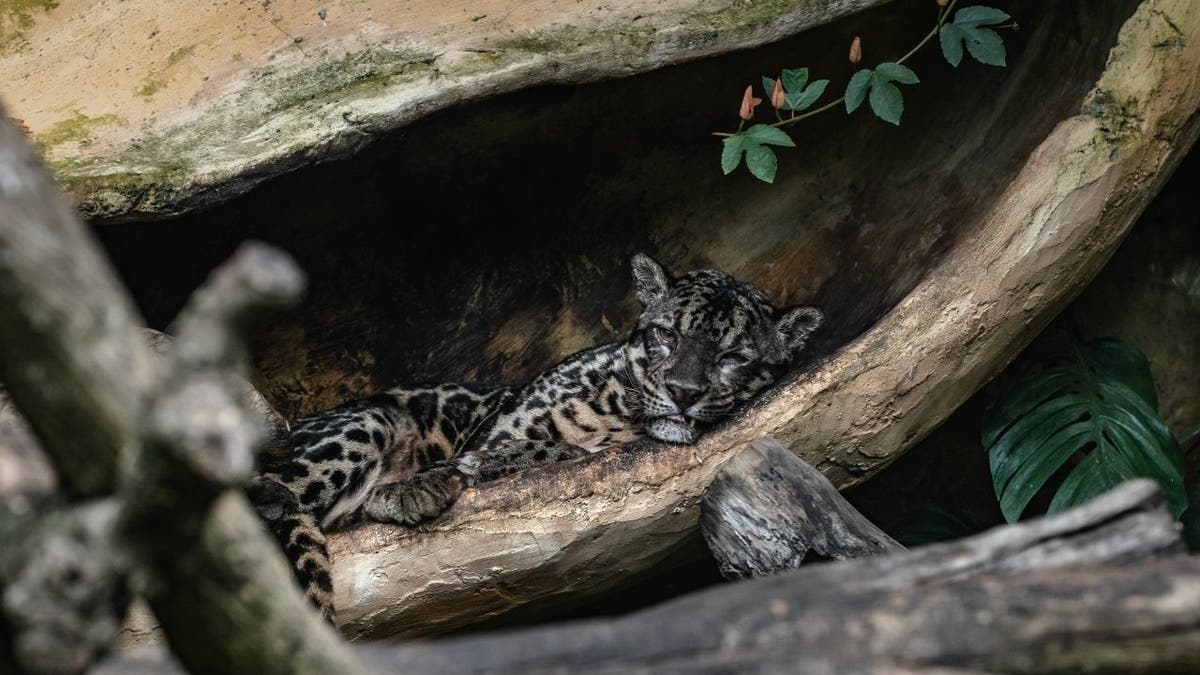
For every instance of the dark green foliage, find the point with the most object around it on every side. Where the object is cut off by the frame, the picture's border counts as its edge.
(984, 44)
(799, 93)
(930, 524)
(1087, 407)
(752, 143)
(969, 28)
(886, 100)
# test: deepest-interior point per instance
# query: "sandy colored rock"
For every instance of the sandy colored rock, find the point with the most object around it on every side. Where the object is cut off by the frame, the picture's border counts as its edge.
(146, 108)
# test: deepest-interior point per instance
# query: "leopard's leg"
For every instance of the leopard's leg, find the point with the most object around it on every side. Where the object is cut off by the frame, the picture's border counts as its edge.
(429, 493)
(339, 455)
(336, 456)
(510, 457)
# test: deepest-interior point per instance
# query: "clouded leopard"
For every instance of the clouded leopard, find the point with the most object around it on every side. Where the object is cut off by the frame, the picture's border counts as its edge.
(703, 344)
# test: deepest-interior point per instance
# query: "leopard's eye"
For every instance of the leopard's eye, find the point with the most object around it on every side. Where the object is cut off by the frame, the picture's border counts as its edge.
(734, 360)
(663, 336)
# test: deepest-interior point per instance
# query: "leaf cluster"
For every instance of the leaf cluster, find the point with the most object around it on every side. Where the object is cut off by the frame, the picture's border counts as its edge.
(971, 30)
(878, 84)
(752, 144)
(1086, 409)
(798, 93)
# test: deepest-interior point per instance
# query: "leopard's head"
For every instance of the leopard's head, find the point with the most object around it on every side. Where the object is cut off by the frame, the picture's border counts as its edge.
(704, 343)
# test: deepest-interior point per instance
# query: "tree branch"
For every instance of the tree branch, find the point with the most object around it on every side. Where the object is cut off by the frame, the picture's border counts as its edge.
(768, 511)
(70, 349)
(63, 592)
(234, 591)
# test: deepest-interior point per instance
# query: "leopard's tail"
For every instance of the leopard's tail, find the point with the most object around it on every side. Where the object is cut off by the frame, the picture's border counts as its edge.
(304, 544)
(300, 536)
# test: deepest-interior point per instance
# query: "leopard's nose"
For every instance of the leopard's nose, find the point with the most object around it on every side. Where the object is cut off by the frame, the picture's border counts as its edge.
(684, 394)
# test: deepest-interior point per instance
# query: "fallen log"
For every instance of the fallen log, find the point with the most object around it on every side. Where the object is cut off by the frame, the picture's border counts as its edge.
(768, 511)
(1116, 619)
(1101, 588)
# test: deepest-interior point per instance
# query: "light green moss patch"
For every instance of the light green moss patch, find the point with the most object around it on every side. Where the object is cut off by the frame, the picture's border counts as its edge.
(75, 129)
(571, 38)
(755, 13)
(355, 73)
(164, 162)
(17, 17)
(158, 79)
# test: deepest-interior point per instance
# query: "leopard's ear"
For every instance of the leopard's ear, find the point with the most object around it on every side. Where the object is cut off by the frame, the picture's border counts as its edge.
(650, 280)
(797, 324)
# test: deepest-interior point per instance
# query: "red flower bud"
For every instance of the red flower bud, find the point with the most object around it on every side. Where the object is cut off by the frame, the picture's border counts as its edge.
(748, 104)
(777, 94)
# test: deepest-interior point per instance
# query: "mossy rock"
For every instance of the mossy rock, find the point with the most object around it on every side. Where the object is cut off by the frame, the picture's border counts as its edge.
(145, 112)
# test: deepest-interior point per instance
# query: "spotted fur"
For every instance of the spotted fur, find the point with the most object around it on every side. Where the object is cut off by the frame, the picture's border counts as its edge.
(704, 343)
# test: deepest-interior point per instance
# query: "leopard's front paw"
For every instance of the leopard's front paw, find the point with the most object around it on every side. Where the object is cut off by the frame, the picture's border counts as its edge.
(423, 496)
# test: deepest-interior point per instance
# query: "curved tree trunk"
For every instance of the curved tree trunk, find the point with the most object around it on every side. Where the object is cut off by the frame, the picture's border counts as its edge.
(558, 533)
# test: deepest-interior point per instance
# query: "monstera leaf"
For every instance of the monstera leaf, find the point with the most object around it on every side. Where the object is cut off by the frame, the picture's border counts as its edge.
(1090, 404)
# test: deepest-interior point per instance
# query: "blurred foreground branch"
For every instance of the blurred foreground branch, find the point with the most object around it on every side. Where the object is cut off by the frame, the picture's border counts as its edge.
(73, 358)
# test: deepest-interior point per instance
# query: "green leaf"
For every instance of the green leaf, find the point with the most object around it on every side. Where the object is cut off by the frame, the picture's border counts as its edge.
(765, 134)
(1093, 400)
(762, 162)
(805, 99)
(984, 35)
(986, 46)
(979, 15)
(1122, 361)
(886, 100)
(794, 80)
(951, 37)
(895, 72)
(768, 87)
(856, 91)
(1016, 402)
(731, 153)
(1090, 479)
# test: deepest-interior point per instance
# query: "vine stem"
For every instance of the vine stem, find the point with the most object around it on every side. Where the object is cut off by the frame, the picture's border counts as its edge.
(943, 14)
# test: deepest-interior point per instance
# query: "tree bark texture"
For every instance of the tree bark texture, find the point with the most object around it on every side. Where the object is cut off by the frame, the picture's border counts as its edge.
(768, 511)
(63, 591)
(69, 353)
(559, 534)
(1101, 588)
(231, 606)
(182, 433)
